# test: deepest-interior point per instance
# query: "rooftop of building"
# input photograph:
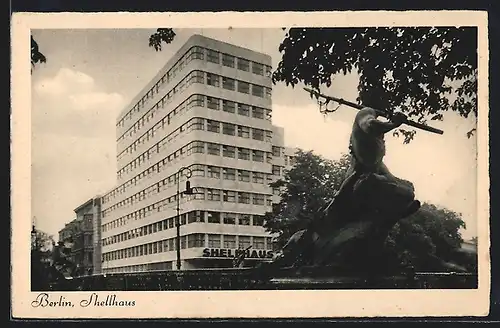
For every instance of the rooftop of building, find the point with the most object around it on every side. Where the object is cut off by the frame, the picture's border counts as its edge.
(195, 39)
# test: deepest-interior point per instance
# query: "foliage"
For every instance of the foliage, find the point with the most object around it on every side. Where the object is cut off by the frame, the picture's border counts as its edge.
(36, 55)
(41, 255)
(161, 35)
(421, 71)
(308, 186)
(427, 237)
(424, 240)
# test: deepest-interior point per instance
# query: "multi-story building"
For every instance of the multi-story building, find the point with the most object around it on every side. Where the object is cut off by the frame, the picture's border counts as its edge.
(208, 110)
(84, 233)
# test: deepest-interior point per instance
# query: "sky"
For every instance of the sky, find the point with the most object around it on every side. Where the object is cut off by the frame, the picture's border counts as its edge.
(91, 75)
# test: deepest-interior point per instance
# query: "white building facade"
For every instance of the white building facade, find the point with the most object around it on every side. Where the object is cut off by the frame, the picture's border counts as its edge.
(208, 110)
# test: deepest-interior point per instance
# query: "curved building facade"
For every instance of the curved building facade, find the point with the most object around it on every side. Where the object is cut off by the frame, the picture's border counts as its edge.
(209, 110)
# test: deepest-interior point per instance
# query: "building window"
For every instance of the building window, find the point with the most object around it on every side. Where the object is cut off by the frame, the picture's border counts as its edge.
(257, 68)
(213, 194)
(244, 198)
(258, 199)
(213, 103)
(258, 156)
(214, 172)
(196, 216)
(196, 240)
(228, 106)
(258, 134)
(258, 112)
(244, 153)
(196, 147)
(212, 56)
(195, 53)
(196, 77)
(276, 170)
(243, 64)
(258, 220)
(244, 219)
(244, 176)
(229, 241)
(276, 151)
(213, 217)
(198, 170)
(258, 177)
(258, 91)
(213, 126)
(183, 242)
(243, 110)
(229, 218)
(212, 79)
(229, 129)
(213, 149)
(243, 87)
(214, 241)
(228, 60)
(244, 242)
(229, 196)
(269, 243)
(196, 124)
(229, 174)
(228, 151)
(243, 131)
(196, 100)
(259, 242)
(228, 83)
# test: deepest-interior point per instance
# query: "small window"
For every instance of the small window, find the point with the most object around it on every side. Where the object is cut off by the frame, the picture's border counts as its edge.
(212, 79)
(257, 68)
(213, 217)
(228, 106)
(229, 84)
(243, 87)
(213, 103)
(243, 110)
(229, 129)
(258, 91)
(213, 126)
(228, 60)
(229, 241)
(229, 218)
(243, 64)
(212, 56)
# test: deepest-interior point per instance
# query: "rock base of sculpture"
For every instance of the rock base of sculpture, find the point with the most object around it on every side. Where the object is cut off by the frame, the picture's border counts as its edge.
(349, 236)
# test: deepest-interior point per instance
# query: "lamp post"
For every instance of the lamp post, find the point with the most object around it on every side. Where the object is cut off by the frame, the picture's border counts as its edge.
(189, 191)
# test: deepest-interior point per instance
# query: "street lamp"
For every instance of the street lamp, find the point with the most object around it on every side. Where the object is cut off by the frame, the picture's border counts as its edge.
(189, 191)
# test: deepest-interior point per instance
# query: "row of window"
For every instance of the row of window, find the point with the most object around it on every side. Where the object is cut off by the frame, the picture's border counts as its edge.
(192, 54)
(191, 241)
(147, 267)
(196, 123)
(194, 147)
(228, 196)
(195, 76)
(190, 217)
(198, 170)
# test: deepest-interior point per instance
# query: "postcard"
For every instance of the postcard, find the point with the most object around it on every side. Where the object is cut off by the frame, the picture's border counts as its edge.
(250, 165)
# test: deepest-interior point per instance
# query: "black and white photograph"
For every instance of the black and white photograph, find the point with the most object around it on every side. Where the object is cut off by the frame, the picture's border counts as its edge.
(242, 158)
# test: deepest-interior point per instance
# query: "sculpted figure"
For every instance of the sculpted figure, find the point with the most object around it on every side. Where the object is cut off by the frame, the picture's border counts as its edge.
(369, 185)
(354, 225)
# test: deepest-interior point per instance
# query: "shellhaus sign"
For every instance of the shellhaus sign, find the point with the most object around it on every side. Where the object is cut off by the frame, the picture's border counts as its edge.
(231, 253)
